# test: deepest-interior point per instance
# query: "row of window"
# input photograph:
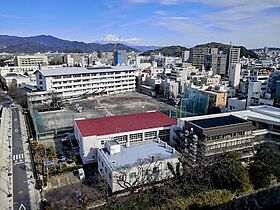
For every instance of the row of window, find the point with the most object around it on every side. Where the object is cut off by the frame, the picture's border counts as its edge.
(128, 79)
(91, 75)
(79, 86)
(228, 144)
(229, 135)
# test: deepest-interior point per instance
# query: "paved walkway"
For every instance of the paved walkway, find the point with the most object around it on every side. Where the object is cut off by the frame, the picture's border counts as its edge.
(6, 201)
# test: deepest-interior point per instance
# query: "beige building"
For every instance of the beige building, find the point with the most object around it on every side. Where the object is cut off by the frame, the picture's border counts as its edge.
(31, 60)
(210, 81)
(216, 99)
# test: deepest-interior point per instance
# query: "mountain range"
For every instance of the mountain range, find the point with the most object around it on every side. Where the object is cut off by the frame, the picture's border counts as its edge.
(46, 43)
(177, 50)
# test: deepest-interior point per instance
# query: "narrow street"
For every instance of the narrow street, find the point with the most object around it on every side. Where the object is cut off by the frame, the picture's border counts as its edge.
(21, 197)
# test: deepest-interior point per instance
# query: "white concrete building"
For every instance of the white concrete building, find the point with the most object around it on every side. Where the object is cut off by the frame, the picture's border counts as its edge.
(136, 164)
(236, 104)
(182, 74)
(92, 134)
(257, 91)
(234, 74)
(29, 70)
(31, 60)
(15, 79)
(74, 82)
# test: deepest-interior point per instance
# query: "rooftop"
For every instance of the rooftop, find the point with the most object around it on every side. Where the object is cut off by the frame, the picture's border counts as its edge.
(139, 152)
(263, 113)
(218, 121)
(82, 70)
(123, 123)
(15, 76)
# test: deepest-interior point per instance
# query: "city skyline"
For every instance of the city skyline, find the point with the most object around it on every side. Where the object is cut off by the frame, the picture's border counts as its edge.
(143, 22)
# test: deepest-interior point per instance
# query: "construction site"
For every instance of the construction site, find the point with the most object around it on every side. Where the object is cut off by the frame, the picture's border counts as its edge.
(49, 124)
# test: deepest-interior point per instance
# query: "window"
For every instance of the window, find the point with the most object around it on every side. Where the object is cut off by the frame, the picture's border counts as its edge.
(102, 142)
(121, 139)
(150, 135)
(121, 178)
(40, 76)
(155, 170)
(132, 175)
(135, 137)
(164, 135)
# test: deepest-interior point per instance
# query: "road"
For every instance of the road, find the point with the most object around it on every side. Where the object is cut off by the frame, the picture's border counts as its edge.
(21, 195)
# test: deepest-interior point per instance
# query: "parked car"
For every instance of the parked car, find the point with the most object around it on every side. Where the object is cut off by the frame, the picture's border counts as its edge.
(81, 173)
(61, 158)
(48, 162)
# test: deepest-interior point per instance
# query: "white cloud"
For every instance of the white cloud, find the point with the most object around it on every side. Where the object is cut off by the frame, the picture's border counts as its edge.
(114, 38)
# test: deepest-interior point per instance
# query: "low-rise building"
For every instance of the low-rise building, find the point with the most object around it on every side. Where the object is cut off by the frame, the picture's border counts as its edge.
(236, 104)
(91, 134)
(132, 165)
(211, 81)
(15, 79)
(216, 98)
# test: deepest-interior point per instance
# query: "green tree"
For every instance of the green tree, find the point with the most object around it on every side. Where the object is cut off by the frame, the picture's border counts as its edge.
(260, 174)
(229, 173)
(264, 166)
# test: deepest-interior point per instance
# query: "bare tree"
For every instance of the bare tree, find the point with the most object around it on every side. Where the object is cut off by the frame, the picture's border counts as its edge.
(145, 173)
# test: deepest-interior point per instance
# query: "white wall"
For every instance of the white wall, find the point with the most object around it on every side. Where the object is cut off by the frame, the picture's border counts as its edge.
(90, 144)
(112, 175)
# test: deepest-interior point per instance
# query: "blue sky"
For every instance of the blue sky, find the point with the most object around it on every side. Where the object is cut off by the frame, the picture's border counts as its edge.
(146, 22)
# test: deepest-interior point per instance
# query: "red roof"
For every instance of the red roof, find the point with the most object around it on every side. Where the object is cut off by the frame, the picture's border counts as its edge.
(123, 123)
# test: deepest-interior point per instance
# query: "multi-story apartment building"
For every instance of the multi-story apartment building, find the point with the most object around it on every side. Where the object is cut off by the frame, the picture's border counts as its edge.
(182, 74)
(234, 74)
(76, 82)
(31, 60)
(198, 55)
(136, 164)
(216, 62)
(208, 136)
(92, 134)
(258, 90)
(233, 56)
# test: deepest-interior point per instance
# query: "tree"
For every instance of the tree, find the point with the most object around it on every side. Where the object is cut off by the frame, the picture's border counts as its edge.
(229, 173)
(260, 174)
(264, 166)
(146, 173)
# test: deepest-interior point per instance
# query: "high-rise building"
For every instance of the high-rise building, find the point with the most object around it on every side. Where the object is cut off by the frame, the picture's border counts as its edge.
(233, 56)
(120, 57)
(217, 62)
(234, 74)
(198, 54)
(186, 55)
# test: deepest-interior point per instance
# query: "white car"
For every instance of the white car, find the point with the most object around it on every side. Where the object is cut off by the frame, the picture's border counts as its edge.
(81, 173)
